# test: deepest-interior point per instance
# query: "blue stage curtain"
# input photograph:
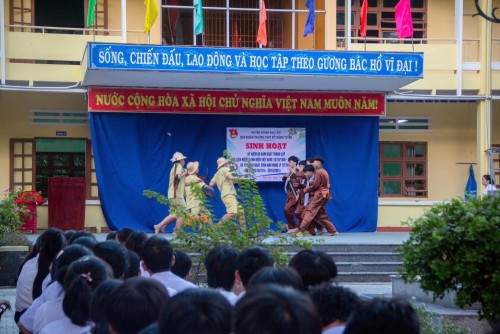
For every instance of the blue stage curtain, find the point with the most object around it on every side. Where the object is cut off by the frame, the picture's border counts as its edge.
(132, 153)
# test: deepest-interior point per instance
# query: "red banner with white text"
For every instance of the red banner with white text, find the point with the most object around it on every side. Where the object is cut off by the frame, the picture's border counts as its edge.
(235, 102)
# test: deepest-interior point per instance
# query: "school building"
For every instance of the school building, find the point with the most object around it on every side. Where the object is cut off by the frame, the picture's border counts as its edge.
(434, 127)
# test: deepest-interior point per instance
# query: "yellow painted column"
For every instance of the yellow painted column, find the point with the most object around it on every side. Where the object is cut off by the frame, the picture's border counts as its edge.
(483, 113)
(156, 29)
(330, 25)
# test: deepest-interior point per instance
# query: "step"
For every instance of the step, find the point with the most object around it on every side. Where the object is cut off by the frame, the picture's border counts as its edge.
(365, 257)
(359, 277)
(359, 248)
(368, 266)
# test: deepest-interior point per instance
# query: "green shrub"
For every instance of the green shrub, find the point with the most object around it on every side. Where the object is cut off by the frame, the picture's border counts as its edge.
(456, 247)
(15, 239)
(432, 323)
(10, 213)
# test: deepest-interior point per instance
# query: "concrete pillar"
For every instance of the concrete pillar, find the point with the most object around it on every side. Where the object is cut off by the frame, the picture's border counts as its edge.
(483, 113)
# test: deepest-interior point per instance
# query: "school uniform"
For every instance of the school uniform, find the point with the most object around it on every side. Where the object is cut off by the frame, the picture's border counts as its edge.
(24, 286)
(48, 312)
(316, 208)
(172, 282)
(64, 325)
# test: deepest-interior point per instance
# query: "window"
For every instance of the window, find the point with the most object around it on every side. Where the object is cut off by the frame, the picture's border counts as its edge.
(234, 23)
(380, 20)
(404, 124)
(403, 169)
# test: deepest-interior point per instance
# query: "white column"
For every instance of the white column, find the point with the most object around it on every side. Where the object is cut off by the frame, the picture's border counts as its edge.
(348, 25)
(459, 36)
(2, 37)
(124, 20)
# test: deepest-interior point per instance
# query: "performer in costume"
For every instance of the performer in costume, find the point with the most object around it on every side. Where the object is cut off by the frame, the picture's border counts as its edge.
(176, 194)
(224, 179)
(194, 204)
(292, 181)
(316, 208)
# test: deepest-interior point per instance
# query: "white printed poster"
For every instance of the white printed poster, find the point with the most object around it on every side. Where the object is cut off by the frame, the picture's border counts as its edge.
(268, 150)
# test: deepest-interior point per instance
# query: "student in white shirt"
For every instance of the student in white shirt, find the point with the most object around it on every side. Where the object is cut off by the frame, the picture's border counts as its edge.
(489, 186)
(54, 290)
(82, 278)
(157, 254)
(220, 266)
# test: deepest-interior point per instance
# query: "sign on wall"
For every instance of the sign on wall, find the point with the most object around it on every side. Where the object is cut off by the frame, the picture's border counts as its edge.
(235, 102)
(254, 61)
(267, 149)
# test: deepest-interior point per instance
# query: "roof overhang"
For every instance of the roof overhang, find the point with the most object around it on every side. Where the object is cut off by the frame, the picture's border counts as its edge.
(151, 66)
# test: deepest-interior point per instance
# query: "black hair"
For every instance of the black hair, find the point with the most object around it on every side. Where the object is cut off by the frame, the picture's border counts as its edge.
(51, 243)
(123, 234)
(182, 265)
(388, 316)
(114, 254)
(220, 264)
(82, 278)
(133, 264)
(281, 276)
(157, 254)
(79, 234)
(302, 163)
(488, 178)
(68, 234)
(334, 303)
(271, 309)
(196, 311)
(111, 235)
(69, 255)
(250, 260)
(294, 159)
(88, 242)
(135, 241)
(308, 168)
(136, 304)
(315, 267)
(100, 299)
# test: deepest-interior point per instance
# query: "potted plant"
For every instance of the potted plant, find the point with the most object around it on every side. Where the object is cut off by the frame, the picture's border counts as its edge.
(13, 246)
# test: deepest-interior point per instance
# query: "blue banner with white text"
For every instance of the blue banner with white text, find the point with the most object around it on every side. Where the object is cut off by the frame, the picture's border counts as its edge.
(254, 61)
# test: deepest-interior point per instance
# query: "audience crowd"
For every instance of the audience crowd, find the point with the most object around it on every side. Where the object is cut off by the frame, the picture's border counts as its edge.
(132, 283)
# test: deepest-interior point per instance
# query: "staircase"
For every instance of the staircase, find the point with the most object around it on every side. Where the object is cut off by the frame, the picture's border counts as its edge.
(373, 263)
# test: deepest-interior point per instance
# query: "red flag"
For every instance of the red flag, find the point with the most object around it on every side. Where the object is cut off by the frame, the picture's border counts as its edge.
(262, 33)
(364, 12)
(404, 22)
(236, 36)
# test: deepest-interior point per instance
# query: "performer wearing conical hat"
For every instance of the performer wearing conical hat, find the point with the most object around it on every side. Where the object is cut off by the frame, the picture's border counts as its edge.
(176, 194)
(194, 204)
(224, 179)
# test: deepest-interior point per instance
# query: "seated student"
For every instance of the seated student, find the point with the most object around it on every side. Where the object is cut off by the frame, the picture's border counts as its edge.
(98, 304)
(272, 309)
(136, 304)
(88, 242)
(335, 304)
(158, 257)
(196, 311)
(134, 243)
(82, 278)
(35, 269)
(281, 276)
(133, 265)
(182, 265)
(54, 291)
(220, 264)
(388, 316)
(123, 234)
(249, 261)
(315, 267)
(111, 235)
(115, 255)
(79, 234)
